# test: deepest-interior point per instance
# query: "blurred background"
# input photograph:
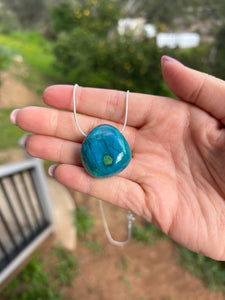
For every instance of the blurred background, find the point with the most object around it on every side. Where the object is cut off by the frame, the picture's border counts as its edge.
(111, 44)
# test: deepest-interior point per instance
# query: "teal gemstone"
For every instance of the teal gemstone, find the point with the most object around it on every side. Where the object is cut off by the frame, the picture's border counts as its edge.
(105, 152)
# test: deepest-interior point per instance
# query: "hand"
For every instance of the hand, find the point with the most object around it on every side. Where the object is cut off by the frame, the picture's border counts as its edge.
(176, 178)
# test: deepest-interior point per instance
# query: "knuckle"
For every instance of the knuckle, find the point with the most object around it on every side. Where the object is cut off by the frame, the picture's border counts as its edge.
(216, 138)
(54, 122)
(196, 94)
(60, 153)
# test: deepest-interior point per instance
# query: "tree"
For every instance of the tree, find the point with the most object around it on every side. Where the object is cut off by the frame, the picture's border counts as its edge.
(168, 12)
(27, 12)
(98, 16)
(219, 60)
(90, 51)
(160, 11)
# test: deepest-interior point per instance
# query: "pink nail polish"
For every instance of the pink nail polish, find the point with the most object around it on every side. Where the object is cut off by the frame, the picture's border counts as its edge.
(51, 170)
(26, 137)
(165, 59)
(13, 116)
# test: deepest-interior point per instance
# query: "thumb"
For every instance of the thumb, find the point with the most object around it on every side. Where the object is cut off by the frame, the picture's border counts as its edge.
(205, 91)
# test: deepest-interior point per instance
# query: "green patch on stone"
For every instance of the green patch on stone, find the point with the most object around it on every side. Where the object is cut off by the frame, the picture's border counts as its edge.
(107, 160)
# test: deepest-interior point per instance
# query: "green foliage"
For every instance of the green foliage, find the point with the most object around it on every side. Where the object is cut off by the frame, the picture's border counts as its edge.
(147, 233)
(124, 263)
(37, 54)
(25, 11)
(159, 11)
(93, 245)
(8, 23)
(219, 47)
(91, 52)
(90, 289)
(212, 272)
(82, 221)
(196, 58)
(35, 50)
(125, 281)
(94, 54)
(63, 18)
(35, 283)
(32, 283)
(73, 62)
(132, 64)
(9, 134)
(97, 16)
(169, 11)
(66, 266)
(4, 59)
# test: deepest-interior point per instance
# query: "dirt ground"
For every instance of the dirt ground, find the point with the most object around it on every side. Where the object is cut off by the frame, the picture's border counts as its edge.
(135, 271)
(13, 92)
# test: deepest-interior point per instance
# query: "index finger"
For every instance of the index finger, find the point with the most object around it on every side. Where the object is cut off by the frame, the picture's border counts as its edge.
(101, 103)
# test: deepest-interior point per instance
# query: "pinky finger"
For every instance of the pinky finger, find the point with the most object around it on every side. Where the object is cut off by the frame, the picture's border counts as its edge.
(115, 190)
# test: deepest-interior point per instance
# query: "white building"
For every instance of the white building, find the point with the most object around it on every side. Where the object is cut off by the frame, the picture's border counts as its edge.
(131, 25)
(150, 30)
(171, 40)
(181, 40)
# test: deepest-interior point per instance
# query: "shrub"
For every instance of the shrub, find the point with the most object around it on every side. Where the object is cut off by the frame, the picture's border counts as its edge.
(209, 270)
(83, 221)
(89, 49)
(43, 279)
(147, 233)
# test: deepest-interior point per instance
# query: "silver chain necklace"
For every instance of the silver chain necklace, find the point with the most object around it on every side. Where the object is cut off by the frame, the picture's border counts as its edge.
(130, 216)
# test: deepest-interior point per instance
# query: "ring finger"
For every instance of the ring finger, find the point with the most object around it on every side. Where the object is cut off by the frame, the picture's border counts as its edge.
(62, 152)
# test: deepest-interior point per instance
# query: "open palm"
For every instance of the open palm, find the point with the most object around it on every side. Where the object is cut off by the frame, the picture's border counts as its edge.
(176, 176)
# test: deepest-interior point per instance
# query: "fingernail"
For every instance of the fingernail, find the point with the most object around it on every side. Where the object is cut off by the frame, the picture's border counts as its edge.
(47, 93)
(51, 170)
(13, 115)
(165, 59)
(24, 141)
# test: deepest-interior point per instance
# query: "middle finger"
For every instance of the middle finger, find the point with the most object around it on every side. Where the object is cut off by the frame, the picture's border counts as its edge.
(61, 124)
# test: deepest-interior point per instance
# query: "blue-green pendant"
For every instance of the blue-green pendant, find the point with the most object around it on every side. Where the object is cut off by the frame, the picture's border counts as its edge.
(105, 152)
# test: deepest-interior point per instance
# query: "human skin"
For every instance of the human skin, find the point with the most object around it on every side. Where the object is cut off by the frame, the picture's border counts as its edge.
(176, 178)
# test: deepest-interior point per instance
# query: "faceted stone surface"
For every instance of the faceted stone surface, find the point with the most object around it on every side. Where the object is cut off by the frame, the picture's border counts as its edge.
(105, 152)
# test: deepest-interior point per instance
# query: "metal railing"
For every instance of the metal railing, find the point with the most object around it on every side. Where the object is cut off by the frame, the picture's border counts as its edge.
(26, 215)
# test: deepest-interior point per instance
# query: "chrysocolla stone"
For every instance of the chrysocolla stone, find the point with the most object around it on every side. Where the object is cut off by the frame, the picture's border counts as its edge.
(105, 151)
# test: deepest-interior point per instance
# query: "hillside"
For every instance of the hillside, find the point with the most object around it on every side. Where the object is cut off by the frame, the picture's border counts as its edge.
(204, 16)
